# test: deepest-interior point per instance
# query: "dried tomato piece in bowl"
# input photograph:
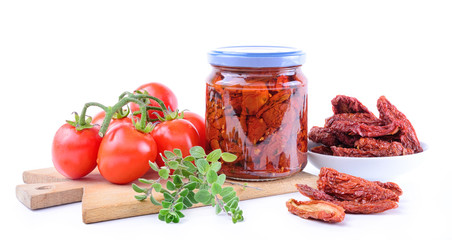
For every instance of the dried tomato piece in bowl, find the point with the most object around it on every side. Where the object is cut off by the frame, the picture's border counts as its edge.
(353, 131)
(390, 114)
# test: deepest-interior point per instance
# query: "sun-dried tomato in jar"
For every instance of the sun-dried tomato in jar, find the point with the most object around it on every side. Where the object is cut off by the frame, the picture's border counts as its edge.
(256, 108)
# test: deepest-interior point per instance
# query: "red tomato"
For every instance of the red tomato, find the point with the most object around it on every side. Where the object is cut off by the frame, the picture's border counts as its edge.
(177, 133)
(74, 153)
(124, 154)
(199, 124)
(159, 91)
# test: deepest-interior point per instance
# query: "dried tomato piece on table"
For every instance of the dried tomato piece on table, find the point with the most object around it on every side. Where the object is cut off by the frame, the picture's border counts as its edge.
(367, 207)
(314, 194)
(358, 196)
(348, 206)
(350, 188)
(316, 209)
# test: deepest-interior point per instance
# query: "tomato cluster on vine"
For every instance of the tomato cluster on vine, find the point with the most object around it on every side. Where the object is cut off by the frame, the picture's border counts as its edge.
(121, 143)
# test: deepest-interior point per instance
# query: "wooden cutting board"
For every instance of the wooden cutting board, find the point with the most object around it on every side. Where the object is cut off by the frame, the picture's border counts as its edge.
(103, 201)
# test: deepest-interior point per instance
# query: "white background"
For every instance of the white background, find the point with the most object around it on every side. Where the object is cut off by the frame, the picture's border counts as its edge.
(57, 55)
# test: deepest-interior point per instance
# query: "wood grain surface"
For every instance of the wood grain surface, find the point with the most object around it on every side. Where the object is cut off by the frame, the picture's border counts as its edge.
(103, 201)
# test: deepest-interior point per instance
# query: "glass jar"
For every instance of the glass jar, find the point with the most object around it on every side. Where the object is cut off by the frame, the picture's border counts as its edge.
(256, 108)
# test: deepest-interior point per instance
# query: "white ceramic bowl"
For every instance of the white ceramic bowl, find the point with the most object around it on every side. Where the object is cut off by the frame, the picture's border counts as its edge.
(370, 168)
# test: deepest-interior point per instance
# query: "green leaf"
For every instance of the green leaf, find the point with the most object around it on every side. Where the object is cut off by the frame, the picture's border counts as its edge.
(221, 178)
(184, 192)
(240, 212)
(179, 206)
(234, 204)
(167, 196)
(173, 164)
(163, 158)
(187, 203)
(164, 211)
(180, 214)
(175, 216)
(191, 167)
(166, 204)
(145, 181)
(178, 152)
(169, 154)
(211, 176)
(214, 155)
(216, 188)
(186, 173)
(217, 209)
(164, 173)
(212, 201)
(226, 190)
(176, 219)
(203, 186)
(216, 166)
(189, 159)
(229, 197)
(154, 166)
(190, 186)
(203, 196)
(169, 218)
(202, 165)
(177, 180)
(240, 218)
(170, 186)
(178, 171)
(153, 201)
(228, 157)
(231, 202)
(157, 187)
(140, 197)
(180, 199)
(195, 179)
(197, 152)
(138, 189)
(191, 197)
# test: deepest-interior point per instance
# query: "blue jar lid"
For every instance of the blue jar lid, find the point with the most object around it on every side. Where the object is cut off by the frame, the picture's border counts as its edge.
(256, 56)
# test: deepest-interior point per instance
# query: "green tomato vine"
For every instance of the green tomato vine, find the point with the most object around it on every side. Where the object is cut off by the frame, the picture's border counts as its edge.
(141, 98)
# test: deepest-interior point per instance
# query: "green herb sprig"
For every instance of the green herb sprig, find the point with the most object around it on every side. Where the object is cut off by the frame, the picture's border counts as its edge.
(190, 184)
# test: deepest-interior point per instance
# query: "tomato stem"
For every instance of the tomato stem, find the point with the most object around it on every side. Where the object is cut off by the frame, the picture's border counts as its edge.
(160, 102)
(117, 107)
(126, 97)
(81, 122)
(145, 96)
